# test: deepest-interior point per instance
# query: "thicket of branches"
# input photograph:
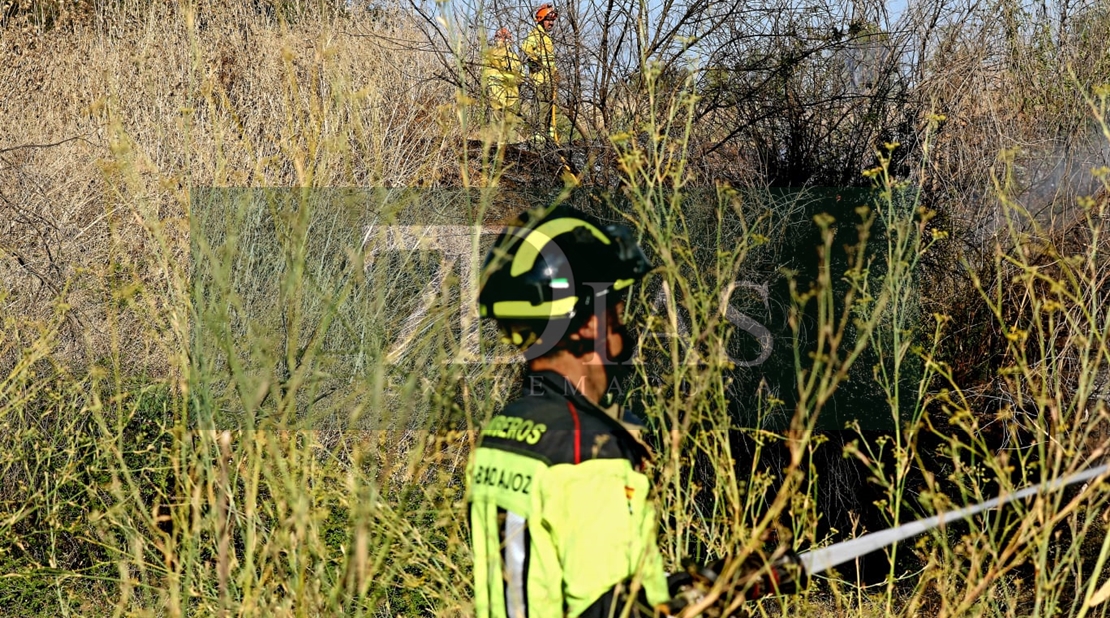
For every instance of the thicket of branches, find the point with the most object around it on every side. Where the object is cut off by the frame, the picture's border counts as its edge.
(795, 93)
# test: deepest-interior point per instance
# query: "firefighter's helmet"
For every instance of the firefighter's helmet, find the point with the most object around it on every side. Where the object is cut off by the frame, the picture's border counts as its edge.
(547, 271)
(544, 11)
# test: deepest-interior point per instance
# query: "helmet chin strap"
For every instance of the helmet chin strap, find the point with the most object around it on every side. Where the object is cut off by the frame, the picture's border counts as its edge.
(628, 346)
(619, 367)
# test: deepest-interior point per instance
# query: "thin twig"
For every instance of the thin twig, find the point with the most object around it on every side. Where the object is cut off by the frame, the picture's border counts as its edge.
(68, 139)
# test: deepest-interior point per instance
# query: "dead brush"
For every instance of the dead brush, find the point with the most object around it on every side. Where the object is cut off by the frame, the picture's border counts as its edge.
(144, 478)
(1048, 287)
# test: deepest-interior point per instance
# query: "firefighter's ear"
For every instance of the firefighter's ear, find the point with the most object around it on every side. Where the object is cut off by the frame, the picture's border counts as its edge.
(588, 329)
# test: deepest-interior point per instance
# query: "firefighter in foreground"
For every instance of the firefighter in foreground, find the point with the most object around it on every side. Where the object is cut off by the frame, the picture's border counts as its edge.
(539, 50)
(561, 519)
(502, 76)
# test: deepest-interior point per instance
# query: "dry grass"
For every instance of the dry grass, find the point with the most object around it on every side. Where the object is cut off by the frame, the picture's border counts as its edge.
(120, 493)
(104, 133)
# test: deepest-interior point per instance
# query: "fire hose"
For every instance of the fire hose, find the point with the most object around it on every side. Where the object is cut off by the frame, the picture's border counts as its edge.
(788, 572)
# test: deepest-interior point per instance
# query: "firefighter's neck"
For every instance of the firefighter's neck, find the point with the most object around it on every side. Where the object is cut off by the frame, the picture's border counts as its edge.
(586, 372)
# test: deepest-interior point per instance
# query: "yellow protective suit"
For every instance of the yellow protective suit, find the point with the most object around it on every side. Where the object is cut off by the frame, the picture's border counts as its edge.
(539, 50)
(501, 74)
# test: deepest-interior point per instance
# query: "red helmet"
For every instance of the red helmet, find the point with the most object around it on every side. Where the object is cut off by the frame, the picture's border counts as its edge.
(545, 11)
(503, 35)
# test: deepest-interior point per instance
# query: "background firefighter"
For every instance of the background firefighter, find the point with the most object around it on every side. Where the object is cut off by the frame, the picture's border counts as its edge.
(502, 74)
(539, 51)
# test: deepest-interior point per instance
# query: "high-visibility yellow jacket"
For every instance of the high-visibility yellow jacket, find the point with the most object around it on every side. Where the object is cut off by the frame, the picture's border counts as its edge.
(501, 73)
(540, 51)
(560, 518)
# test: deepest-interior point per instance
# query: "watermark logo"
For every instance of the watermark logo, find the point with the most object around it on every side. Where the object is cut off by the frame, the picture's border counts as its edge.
(461, 254)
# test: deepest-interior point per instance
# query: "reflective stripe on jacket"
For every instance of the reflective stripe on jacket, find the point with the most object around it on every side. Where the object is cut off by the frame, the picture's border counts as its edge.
(559, 509)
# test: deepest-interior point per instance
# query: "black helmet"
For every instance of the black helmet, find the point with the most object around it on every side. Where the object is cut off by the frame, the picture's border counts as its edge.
(547, 270)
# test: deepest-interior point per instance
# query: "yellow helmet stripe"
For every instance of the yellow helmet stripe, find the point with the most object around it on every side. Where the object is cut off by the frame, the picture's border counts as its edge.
(525, 309)
(538, 238)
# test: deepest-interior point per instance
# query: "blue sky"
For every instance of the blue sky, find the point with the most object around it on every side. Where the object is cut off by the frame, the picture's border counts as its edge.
(895, 8)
